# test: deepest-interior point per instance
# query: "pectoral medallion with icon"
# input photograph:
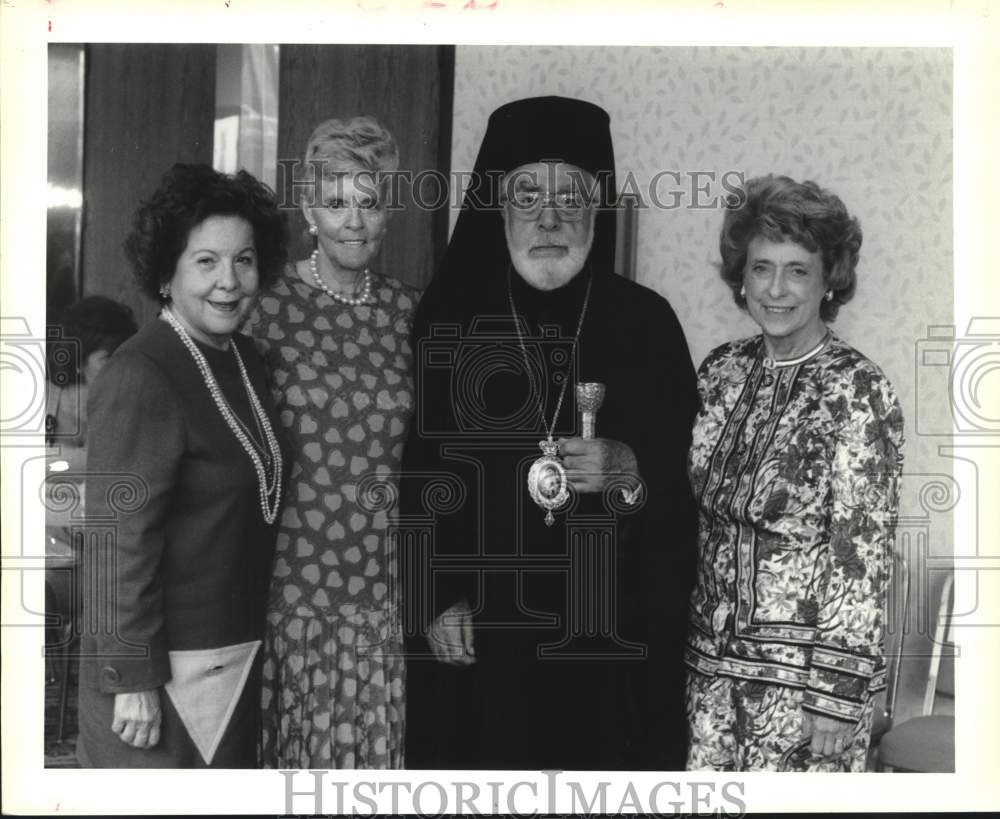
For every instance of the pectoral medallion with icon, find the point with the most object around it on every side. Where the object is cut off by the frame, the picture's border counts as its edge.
(548, 484)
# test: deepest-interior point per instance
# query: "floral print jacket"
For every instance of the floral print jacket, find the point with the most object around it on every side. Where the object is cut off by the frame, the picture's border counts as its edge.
(796, 468)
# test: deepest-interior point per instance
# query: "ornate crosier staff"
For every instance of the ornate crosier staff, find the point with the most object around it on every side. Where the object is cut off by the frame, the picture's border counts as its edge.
(589, 397)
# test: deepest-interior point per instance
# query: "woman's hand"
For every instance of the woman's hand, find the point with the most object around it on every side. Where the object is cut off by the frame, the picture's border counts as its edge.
(830, 737)
(137, 718)
(451, 636)
(589, 461)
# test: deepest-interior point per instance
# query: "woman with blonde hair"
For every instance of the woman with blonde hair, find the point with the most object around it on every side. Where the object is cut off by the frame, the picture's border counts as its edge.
(335, 336)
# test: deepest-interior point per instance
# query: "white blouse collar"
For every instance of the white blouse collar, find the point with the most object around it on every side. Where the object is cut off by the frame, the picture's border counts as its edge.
(772, 364)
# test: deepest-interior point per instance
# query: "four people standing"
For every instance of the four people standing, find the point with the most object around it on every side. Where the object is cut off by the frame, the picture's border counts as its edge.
(548, 610)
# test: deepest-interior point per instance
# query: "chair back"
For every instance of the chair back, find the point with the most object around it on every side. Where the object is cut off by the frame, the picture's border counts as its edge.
(941, 673)
(946, 672)
(896, 606)
(927, 743)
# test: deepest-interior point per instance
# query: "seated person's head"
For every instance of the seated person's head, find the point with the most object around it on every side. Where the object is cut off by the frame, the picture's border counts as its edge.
(95, 326)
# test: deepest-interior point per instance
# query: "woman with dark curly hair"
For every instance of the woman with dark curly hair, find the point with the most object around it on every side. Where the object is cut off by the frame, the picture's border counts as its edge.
(182, 417)
(795, 464)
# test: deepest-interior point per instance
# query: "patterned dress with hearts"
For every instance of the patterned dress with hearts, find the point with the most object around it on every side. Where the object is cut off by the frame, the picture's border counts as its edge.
(333, 667)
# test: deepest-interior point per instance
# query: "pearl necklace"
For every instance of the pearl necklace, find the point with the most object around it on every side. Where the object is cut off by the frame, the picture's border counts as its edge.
(268, 485)
(364, 297)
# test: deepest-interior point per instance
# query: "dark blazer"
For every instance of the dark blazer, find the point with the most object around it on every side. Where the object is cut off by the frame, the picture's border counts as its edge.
(182, 553)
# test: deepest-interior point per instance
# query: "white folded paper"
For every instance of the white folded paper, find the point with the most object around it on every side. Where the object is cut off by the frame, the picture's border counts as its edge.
(206, 684)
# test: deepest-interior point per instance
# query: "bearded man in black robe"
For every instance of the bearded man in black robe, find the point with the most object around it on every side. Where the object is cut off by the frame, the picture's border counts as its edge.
(546, 565)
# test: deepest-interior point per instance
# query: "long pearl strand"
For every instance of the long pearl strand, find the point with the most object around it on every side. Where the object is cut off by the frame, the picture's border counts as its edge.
(269, 486)
(364, 297)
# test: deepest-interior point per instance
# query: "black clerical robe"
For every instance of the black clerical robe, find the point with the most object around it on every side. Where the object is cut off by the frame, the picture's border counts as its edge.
(579, 627)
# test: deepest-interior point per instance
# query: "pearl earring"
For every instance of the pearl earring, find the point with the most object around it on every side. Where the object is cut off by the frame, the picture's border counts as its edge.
(829, 295)
(313, 230)
(743, 291)
(165, 292)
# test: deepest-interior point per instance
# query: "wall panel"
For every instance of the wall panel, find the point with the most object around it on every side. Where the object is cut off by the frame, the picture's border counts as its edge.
(408, 89)
(147, 106)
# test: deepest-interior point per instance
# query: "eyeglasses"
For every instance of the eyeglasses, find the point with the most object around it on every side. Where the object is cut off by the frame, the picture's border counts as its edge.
(526, 205)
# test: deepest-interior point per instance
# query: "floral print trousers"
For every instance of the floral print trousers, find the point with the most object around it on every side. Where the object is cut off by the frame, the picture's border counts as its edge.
(744, 725)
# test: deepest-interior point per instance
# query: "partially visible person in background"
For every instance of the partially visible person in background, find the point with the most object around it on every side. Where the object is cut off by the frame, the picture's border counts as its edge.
(183, 457)
(335, 335)
(90, 331)
(795, 464)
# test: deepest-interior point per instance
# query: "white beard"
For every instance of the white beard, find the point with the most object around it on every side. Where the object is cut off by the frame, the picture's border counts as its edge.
(549, 274)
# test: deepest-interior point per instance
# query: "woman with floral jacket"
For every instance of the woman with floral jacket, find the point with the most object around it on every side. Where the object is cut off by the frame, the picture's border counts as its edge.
(795, 464)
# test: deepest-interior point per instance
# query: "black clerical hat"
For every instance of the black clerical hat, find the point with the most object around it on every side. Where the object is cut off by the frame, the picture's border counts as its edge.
(547, 128)
(520, 133)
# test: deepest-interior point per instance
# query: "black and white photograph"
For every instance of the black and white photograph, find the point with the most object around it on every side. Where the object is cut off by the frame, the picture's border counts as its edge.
(415, 424)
